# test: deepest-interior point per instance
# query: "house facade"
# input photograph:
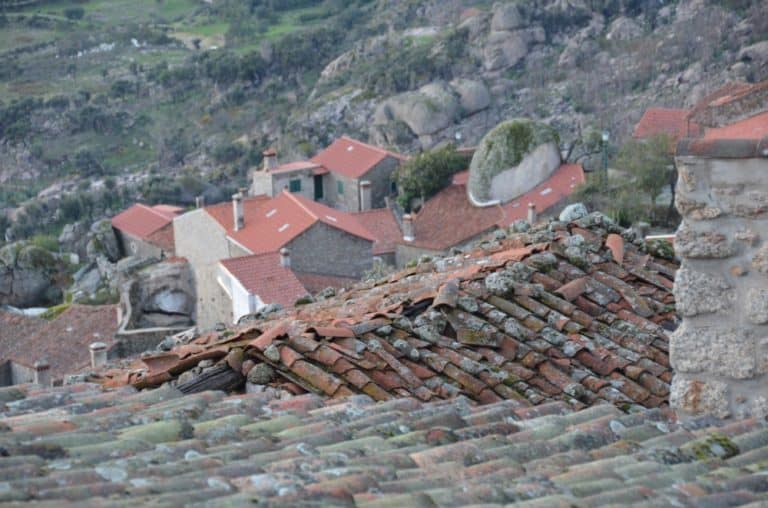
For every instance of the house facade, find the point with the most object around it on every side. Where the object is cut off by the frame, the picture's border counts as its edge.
(348, 175)
(324, 243)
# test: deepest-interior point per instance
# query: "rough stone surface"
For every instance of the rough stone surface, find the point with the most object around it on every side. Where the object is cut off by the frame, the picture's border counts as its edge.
(691, 243)
(700, 293)
(27, 274)
(573, 212)
(430, 109)
(760, 261)
(506, 17)
(757, 306)
(473, 95)
(697, 396)
(512, 158)
(624, 29)
(103, 241)
(728, 352)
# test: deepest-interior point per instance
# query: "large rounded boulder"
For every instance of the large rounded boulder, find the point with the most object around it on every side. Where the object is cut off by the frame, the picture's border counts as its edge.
(513, 158)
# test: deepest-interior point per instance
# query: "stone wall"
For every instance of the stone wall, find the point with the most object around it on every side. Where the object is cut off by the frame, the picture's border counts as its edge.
(380, 177)
(201, 240)
(133, 246)
(720, 352)
(325, 250)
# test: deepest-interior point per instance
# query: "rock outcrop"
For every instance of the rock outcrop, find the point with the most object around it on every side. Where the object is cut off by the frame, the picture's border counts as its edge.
(512, 158)
(28, 276)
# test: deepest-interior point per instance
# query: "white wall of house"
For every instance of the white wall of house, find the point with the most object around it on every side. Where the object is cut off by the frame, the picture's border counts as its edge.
(243, 302)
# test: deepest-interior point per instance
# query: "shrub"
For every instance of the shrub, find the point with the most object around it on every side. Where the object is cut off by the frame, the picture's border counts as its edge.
(74, 12)
(427, 173)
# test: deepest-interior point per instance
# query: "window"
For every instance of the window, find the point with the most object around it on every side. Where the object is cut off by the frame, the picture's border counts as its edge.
(294, 185)
(339, 187)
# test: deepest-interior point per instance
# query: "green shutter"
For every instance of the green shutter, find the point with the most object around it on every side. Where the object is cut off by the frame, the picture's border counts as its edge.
(295, 186)
(339, 187)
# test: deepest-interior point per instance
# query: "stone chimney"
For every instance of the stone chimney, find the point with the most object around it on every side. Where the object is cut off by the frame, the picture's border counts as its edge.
(532, 216)
(98, 355)
(285, 258)
(720, 351)
(199, 201)
(237, 210)
(408, 228)
(365, 196)
(270, 159)
(42, 374)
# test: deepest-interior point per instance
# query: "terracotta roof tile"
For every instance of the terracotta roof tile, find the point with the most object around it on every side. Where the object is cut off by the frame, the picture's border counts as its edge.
(263, 275)
(442, 328)
(448, 219)
(63, 342)
(352, 158)
(383, 226)
(270, 223)
(672, 122)
(754, 127)
(142, 221)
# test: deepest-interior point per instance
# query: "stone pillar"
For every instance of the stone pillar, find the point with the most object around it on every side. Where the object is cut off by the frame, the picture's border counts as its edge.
(42, 374)
(238, 215)
(285, 258)
(98, 355)
(720, 352)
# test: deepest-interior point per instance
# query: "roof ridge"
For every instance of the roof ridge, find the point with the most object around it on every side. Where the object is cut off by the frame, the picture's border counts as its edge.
(295, 199)
(152, 210)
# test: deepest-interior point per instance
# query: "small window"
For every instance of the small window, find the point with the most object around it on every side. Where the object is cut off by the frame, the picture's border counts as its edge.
(295, 185)
(339, 187)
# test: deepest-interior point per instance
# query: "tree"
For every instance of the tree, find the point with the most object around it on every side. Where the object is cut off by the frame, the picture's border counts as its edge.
(651, 164)
(427, 174)
(74, 12)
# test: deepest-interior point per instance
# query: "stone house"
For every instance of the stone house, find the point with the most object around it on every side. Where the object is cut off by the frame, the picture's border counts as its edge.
(348, 175)
(146, 231)
(36, 350)
(326, 245)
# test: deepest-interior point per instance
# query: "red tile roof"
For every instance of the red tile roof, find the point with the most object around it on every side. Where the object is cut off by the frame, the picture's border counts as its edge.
(449, 219)
(315, 282)
(672, 122)
(382, 224)
(727, 93)
(298, 165)
(755, 127)
(141, 220)
(262, 275)
(352, 158)
(63, 342)
(271, 223)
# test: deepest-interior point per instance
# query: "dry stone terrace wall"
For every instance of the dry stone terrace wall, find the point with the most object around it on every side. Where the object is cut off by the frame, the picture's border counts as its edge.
(720, 353)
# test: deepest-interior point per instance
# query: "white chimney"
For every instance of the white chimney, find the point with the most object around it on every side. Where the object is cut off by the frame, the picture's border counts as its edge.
(285, 258)
(270, 159)
(237, 210)
(532, 213)
(42, 375)
(98, 355)
(408, 228)
(199, 201)
(365, 195)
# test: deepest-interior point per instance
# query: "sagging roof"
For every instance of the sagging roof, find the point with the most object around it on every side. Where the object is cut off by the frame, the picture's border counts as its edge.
(754, 128)
(62, 342)
(271, 223)
(668, 121)
(449, 219)
(572, 312)
(382, 224)
(352, 158)
(142, 221)
(263, 275)
(80, 446)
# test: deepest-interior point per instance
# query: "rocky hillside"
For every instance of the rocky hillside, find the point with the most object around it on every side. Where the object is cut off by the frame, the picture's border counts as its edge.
(105, 102)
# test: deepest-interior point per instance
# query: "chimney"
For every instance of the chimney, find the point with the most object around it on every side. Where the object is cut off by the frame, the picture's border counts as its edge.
(270, 159)
(285, 258)
(719, 351)
(532, 213)
(98, 355)
(365, 195)
(237, 210)
(199, 201)
(408, 228)
(42, 373)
